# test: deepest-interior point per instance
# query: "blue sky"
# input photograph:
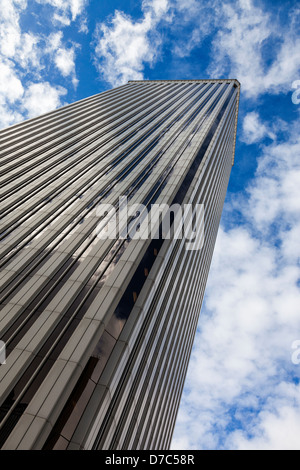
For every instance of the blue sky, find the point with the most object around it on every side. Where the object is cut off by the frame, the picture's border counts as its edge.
(242, 387)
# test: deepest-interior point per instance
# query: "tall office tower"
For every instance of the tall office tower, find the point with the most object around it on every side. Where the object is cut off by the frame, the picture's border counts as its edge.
(98, 323)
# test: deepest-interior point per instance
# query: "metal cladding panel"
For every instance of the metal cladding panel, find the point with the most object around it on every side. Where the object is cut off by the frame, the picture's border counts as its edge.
(98, 331)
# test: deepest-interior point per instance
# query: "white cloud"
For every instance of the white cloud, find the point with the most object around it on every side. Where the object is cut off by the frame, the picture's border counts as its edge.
(14, 44)
(10, 34)
(54, 41)
(239, 49)
(239, 380)
(275, 194)
(183, 48)
(11, 88)
(157, 8)
(64, 60)
(29, 52)
(254, 130)
(192, 22)
(25, 60)
(249, 42)
(277, 427)
(83, 28)
(125, 45)
(40, 98)
(65, 11)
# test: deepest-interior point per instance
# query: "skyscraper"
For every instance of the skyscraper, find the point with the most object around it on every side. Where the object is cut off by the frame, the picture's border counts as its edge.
(98, 313)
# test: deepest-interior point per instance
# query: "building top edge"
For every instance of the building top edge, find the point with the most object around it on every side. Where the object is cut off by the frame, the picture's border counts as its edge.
(234, 80)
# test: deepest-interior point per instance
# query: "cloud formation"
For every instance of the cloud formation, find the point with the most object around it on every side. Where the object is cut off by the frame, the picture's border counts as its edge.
(247, 36)
(25, 60)
(124, 46)
(65, 11)
(41, 97)
(240, 383)
(254, 130)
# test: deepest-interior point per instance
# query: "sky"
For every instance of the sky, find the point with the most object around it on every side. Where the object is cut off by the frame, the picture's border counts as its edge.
(242, 389)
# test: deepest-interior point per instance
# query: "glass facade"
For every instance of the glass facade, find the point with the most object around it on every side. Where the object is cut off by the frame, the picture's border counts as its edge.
(98, 332)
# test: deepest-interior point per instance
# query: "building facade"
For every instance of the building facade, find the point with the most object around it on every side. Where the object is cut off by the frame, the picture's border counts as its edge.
(98, 324)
